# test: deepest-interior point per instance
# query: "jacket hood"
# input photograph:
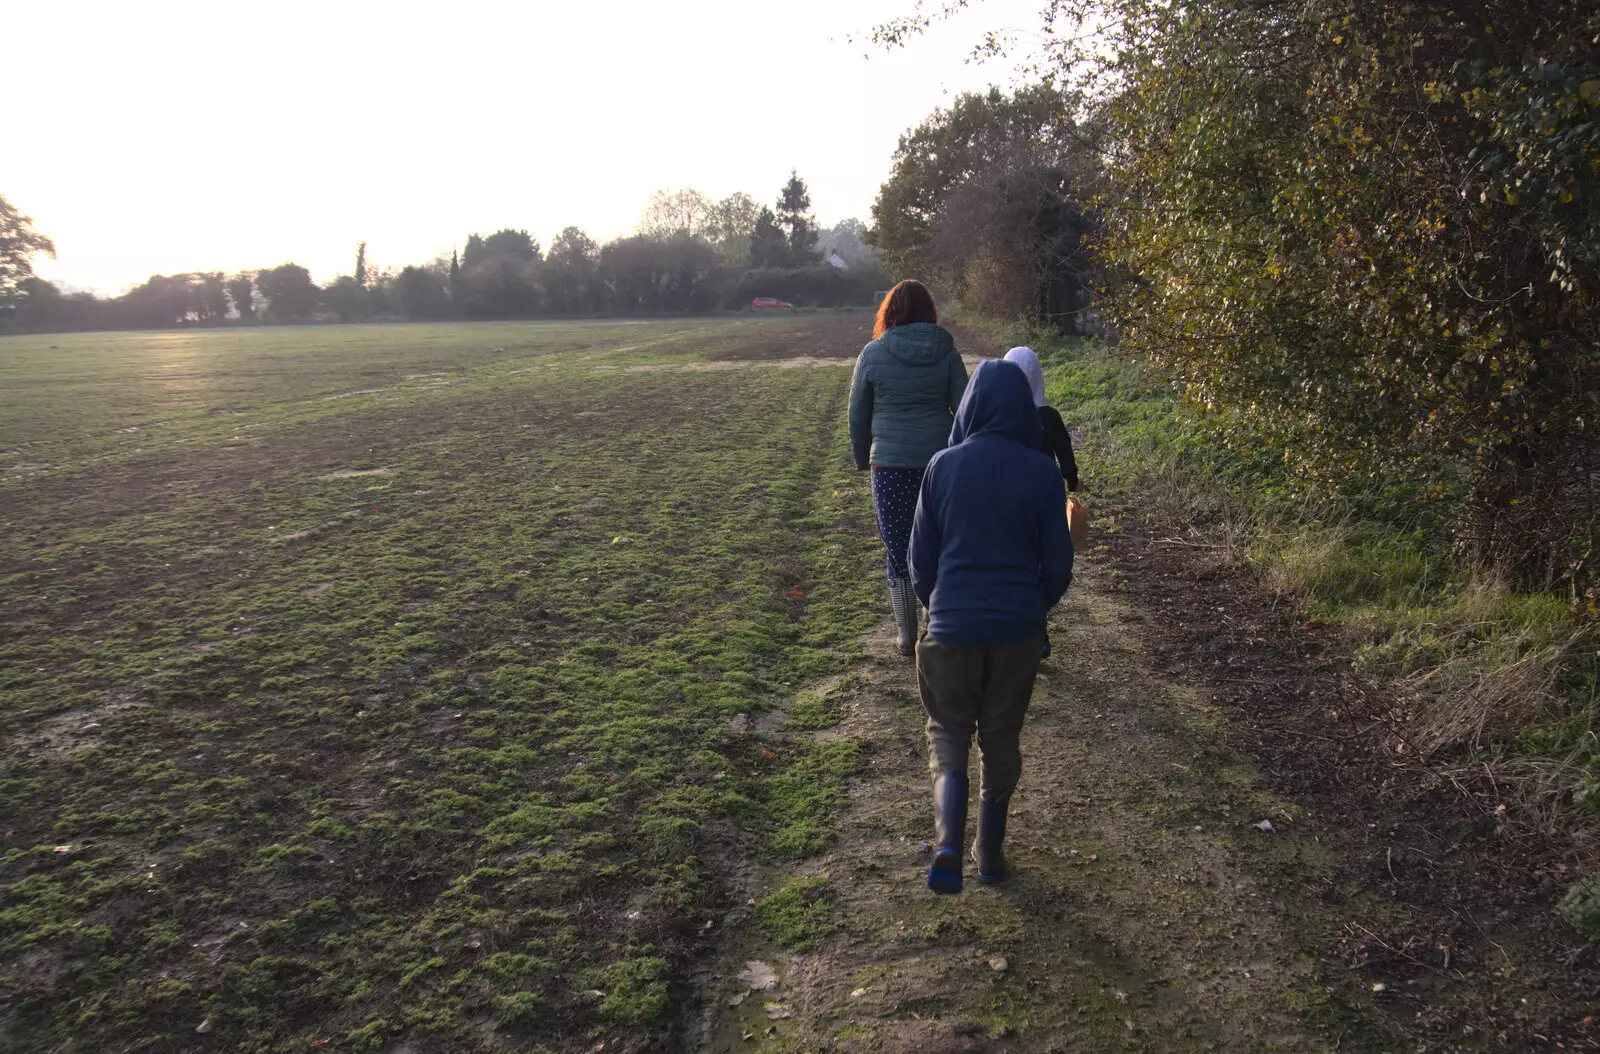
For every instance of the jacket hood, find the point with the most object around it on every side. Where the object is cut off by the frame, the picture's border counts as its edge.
(918, 343)
(1029, 361)
(998, 402)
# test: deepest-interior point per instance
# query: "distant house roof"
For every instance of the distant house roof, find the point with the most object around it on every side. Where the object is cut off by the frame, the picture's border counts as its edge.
(837, 260)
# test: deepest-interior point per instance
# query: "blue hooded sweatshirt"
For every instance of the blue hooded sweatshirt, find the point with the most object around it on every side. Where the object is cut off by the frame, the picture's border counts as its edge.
(990, 552)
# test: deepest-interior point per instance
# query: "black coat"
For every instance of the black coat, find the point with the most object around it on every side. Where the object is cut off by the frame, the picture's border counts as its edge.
(1058, 444)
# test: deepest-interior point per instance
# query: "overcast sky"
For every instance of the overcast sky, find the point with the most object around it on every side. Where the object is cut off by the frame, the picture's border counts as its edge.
(159, 137)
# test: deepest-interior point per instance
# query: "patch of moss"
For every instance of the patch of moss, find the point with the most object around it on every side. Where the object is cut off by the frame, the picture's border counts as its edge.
(1580, 907)
(811, 711)
(797, 914)
(637, 989)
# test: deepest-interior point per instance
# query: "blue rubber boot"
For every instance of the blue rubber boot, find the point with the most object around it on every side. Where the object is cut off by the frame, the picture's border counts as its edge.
(991, 834)
(950, 818)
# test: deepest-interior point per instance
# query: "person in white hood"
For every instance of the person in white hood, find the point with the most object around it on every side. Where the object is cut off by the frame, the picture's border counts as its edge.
(1057, 440)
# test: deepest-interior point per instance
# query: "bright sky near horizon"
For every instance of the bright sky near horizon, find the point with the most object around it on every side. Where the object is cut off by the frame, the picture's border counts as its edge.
(162, 137)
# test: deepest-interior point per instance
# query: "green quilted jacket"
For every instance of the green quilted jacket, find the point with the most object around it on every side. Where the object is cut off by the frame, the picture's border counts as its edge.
(903, 398)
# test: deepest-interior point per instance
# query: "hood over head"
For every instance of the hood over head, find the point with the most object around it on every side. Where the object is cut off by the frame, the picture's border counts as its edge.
(998, 402)
(918, 343)
(1029, 361)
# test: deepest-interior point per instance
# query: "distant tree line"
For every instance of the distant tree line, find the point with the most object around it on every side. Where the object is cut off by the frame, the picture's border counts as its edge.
(688, 254)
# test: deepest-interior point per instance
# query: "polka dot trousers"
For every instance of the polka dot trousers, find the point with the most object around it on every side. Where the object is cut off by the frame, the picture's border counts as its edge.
(894, 499)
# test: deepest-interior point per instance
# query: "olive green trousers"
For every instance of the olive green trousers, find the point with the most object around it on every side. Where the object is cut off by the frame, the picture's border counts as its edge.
(978, 690)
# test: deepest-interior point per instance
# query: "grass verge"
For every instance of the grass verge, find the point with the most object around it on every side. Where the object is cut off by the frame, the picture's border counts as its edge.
(1491, 676)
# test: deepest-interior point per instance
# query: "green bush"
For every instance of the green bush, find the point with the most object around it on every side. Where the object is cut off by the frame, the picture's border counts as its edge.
(1367, 234)
(820, 286)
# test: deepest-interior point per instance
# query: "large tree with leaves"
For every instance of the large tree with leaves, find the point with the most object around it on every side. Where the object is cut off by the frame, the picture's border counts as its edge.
(20, 242)
(795, 219)
(500, 275)
(769, 246)
(572, 273)
(985, 199)
(288, 290)
(733, 220)
(684, 212)
(423, 292)
(241, 289)
(1371, 231)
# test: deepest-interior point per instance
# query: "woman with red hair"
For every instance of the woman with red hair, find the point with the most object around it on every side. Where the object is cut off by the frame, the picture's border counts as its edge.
(907, 385)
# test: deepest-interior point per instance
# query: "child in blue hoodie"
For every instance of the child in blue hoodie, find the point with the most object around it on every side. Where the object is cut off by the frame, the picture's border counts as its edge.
(990, 555)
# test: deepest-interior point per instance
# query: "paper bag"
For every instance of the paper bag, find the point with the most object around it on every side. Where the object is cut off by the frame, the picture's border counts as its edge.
(1077, 524)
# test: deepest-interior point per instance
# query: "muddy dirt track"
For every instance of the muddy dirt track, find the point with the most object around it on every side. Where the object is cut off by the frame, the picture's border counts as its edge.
(1215, 847)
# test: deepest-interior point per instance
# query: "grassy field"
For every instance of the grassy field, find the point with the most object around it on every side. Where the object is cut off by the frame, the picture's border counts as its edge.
(369, 683)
